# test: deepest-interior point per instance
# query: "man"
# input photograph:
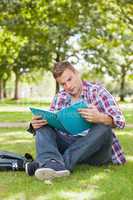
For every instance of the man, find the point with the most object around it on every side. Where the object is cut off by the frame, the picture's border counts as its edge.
(58, 152)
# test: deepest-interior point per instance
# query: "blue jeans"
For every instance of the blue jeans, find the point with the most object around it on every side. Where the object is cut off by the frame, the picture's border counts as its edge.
(95, 148)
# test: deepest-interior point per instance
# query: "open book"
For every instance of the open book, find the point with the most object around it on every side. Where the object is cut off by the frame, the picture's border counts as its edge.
(67, 119)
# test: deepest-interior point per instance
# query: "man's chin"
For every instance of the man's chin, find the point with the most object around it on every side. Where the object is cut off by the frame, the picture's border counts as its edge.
(72, 93)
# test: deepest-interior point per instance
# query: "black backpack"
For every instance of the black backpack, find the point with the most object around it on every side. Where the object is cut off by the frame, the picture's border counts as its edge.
(10, 161)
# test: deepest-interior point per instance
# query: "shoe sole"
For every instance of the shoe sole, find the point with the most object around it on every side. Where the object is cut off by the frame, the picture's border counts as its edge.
(49, 174)
(26, 169)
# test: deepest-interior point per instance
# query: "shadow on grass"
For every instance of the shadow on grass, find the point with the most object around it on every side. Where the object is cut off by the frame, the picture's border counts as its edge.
(85, 183)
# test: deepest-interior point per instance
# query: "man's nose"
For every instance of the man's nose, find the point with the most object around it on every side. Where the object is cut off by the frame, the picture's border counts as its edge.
(68, 86)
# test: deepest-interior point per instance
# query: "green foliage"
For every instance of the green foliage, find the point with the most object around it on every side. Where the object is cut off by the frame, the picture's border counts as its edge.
(107, 46)
(38, 33)
(9, 47)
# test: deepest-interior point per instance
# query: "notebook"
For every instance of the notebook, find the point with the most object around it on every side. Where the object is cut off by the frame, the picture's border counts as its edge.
(67, 119)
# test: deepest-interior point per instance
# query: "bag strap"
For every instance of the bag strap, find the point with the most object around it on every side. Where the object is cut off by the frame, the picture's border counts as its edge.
(11, 155)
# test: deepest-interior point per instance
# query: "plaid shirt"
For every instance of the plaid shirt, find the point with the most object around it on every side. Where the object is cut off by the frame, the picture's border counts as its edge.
(105, 102)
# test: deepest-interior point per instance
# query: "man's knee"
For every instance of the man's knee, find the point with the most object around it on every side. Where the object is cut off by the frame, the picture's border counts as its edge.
(102, 127)
(100, 130)
(45, 130)
(105, 131)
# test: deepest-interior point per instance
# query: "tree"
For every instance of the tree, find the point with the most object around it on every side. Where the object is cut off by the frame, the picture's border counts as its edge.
(9, 46)
(48, 24)
(100, 29)
(107, 45)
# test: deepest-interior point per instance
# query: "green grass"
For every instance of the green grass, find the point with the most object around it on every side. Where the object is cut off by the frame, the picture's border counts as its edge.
(128, 116)
(23, 101)
(85, 183)
(15, 116)
(24, 116)
(18, 111)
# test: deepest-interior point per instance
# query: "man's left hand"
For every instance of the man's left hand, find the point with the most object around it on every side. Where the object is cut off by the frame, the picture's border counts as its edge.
(91, 114)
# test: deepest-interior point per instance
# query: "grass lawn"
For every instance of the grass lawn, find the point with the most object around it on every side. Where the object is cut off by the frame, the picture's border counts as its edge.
(15, 116)
(86, 183)
(128, 116)
(18, 113)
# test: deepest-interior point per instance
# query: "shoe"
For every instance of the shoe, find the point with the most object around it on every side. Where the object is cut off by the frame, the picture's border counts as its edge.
(31, 167)
(52, 169)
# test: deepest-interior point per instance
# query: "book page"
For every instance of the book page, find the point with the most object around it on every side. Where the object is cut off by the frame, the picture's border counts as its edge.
(71, 119)
(50, 116)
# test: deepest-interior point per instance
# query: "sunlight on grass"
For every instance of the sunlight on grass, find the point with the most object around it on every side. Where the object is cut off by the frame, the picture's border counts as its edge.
(125, 133)
(4, 141)
(64, 195)
(9, 133)
(15, 137)
(129, 158)
(91, 194)
(19, 196)
(86, 183)
(13, 108)
(98, 177)
(20, 108)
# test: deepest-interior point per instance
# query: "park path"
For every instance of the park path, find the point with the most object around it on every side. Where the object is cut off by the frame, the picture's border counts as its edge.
(14, 124)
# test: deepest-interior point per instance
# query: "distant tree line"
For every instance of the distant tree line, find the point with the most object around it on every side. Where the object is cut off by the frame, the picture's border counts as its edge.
(36, 33)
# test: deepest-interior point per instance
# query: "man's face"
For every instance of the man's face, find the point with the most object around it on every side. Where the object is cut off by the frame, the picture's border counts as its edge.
(71, 82)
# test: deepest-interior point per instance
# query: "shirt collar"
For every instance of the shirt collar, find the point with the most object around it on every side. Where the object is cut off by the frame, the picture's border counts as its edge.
(84, 89)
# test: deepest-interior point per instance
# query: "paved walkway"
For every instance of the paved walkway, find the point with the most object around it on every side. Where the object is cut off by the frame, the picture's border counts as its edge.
(25, 124)
(13, 124)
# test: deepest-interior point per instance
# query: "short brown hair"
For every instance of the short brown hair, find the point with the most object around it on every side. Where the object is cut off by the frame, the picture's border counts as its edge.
(60, 67)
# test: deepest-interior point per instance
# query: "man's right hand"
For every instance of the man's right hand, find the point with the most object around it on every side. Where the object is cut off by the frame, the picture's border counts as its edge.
(38, 122)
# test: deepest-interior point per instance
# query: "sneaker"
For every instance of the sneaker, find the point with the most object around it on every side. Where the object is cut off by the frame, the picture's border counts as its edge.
(52, 169)
(31, 167)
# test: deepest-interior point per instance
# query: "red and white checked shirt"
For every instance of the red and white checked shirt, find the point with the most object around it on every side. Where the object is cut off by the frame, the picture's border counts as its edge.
(105, 102)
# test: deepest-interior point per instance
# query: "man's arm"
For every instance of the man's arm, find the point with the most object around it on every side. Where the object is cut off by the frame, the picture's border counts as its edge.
(105, 110)
(111, 108)
(92, 114)
(107, 120)
(36, 123)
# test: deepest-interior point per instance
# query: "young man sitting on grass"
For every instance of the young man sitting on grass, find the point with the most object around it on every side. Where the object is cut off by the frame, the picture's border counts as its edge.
(57, 153)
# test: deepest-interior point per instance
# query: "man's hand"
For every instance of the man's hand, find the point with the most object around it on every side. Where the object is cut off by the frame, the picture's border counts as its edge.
(38, 122)
(92, 114)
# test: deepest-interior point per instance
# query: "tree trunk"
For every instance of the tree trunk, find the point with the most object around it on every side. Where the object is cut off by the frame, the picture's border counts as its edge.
(16, 92)
(122, 83)
(57, 59)
(4, 89)
(1, 89)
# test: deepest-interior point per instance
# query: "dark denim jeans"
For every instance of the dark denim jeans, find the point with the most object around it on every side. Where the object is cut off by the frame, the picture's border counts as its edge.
(95, 148)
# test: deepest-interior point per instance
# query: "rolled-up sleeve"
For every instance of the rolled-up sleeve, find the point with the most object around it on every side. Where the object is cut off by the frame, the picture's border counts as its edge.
(111, 108)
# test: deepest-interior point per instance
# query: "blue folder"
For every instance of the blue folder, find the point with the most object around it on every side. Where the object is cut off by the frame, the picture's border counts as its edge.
(67, 119)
